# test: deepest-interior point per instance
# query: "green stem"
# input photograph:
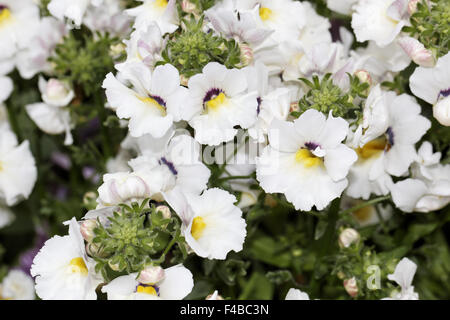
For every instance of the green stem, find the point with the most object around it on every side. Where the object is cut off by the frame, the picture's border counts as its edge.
(364, 204)
(250, 176)
(103, 130)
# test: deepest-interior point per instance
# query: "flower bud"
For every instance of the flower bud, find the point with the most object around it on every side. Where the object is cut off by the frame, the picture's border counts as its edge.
(55, 93)
(412, 6)
(364, 76)
(441, 111)
(165, 211)
(114, 266)
(188, 6)
(246, 54)
(94, 250)
(348, 237)
(87, 229)
(417, 52)
(56, 89)
(294, 107)
(351, 287)
(89, 199)
(183, 80)
(151, 275)
(214, 296)
(116, 50)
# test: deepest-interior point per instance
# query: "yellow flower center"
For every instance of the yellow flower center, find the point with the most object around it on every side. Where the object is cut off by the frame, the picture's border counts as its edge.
(308, 160)
(153, 103)
(147, 290)
(161, 4)
(216, 102)
(363, 214)
(5, 15)
(265, 13)
(77, 265)
(198, 225)
(372, 148)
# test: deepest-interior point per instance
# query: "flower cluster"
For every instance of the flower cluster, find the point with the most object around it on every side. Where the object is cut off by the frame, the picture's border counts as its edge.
(195, 147)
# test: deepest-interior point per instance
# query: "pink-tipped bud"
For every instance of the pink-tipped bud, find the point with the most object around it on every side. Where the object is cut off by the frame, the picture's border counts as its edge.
(183, 80)
(348, 237)
(165, 211)
(351, 287)
(417, 52)
(188, 6)
(246, 54)
(214, 296)
(87, 229)
(151, 275)
(294, 107)
(363, 76)
(412, 6)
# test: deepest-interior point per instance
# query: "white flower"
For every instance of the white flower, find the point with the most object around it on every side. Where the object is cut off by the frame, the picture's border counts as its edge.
(163, 12)
(212, 224)
(17, 285)
(146, 45)
(272, 103)
(51, 116)
(73, 10)
(306, 161)
(154, 102)
(177, 161)
(433, 86)
(296, 294)
(393, 151)
(34, 57)
(417, 51)
(63, 270)
(177, 284)
(221, 102)
(428, 189)
(108, 17)
(7, 87)
(403, 275)
(17, 18)
(341, 6)
(18, 171)
(379, 20)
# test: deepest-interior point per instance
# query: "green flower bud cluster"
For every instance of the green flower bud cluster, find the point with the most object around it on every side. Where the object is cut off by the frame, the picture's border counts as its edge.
(84, 60)
(431, 25)
(324, 96)
(192, 49)
(134, 237)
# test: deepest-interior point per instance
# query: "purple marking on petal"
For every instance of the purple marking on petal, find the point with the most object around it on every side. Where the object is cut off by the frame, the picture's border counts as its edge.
(146, 286)
(311, 146)
(3, 7)
(160, 100)
(258, 109)
(390, 135)
(169, 164)
(211, 94)
(445, 93)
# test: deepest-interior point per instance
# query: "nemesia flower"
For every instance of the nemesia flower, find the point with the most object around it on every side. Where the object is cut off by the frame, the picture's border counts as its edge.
(73, 10)
(379, 20)
(176, 284)
(155, 101)
(34, 57)
(393, 151)
(63, 270)
(306, 161)
(296, 294)
(221, 102)
(18, 171)
(341, 6)
(433, 86)
(17, 18)
(403, 276)
(212, 224)
(428, 189)
(51, 116)
(163, 12)
(17, 285)
(108, 17)
(177, 161)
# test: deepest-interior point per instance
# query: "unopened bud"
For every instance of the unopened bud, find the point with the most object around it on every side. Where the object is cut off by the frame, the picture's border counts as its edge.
(165, 211)
(214, 296)
(348, 237)
(89, 199)
(188, 6)
(364, 76)
(87, 229)
(151, 275)
(417, 52)
(246, 54)
(56, 89)
(351, 287)
(94, 250)
(114, 266)
(294, 107)
(412, 6)
(184, 80)
(116, 50)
